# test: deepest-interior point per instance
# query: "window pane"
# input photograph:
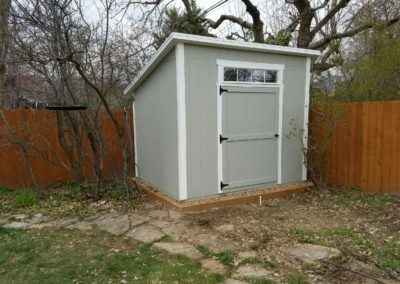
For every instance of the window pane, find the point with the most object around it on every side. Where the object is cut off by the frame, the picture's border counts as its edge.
(257, 75)
(230, 74)
(244, 75)
(271, 76)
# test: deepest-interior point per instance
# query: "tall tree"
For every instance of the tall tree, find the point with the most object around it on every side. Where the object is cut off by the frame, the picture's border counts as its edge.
(4, 41)
(315, 24)
(189, 21)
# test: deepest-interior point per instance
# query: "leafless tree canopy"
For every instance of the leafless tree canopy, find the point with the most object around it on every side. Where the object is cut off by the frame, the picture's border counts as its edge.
(63, 55)
(314, 24)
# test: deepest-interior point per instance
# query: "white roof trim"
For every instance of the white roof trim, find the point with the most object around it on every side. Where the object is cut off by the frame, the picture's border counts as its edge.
(174, 38)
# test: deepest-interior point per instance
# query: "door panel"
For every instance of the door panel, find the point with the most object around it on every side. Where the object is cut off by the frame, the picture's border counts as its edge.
(247, 113)
(250, 122)
(249, 162)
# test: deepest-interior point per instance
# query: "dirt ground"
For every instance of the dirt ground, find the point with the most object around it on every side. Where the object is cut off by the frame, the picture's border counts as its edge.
(365, 228)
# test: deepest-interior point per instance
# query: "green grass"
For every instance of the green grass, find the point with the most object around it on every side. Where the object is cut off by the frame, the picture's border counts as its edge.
(4, 190)
(73, 257)
(26, 198)
(226, 257)
(389, 255)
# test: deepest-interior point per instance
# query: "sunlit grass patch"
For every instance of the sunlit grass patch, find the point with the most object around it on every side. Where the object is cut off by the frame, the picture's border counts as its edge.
(72, 257)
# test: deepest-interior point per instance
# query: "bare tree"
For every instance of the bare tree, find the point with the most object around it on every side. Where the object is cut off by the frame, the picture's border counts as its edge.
(82, 62)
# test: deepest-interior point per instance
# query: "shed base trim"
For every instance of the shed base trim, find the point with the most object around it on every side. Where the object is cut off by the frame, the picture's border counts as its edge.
(248, 195)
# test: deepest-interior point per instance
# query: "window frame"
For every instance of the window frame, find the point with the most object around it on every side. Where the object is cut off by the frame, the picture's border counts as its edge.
(250, 70)
(278, 68)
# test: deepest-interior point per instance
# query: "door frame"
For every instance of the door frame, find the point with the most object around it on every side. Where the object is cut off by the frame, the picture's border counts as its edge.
(279, 85)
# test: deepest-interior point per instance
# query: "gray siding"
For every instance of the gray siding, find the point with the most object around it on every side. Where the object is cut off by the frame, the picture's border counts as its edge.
(156, 127)
(201, 109)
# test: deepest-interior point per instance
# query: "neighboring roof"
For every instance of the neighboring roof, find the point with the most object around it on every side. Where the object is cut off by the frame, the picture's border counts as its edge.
(175, 38)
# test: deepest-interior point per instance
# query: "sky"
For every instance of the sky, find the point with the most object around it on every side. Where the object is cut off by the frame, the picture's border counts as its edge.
(232, 7)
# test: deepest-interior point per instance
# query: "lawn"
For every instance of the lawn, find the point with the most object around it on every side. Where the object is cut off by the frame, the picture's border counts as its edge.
(364, 228)
(72, 257)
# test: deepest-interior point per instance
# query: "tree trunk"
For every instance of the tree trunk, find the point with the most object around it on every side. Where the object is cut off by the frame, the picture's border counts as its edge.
(4, 41)
(258, 24)
(306, 14)
(70, 140)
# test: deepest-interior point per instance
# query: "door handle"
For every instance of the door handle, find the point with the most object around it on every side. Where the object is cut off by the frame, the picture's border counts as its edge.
(276, 135)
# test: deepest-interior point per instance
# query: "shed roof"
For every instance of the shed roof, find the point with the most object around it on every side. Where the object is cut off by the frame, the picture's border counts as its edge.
(175, 38)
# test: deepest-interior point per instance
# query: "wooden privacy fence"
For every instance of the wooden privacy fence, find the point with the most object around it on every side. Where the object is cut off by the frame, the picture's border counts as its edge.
(364, 150)
(38, 130)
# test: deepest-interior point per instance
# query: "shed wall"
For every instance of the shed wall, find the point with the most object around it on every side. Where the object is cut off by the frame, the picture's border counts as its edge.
(156, 127)
(201, 108)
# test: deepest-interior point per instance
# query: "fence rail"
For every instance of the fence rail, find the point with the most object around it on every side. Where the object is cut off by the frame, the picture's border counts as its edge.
(364, 151)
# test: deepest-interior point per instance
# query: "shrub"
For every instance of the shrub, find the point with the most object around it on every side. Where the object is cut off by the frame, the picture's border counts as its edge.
(375, 75)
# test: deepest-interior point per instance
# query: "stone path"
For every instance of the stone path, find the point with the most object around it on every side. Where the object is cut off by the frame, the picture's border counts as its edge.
(311, 254)
(181, 249)
(169, 231)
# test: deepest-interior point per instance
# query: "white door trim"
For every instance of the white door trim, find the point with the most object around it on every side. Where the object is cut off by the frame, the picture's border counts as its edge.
(219, 125)
(252, 65)
(181, 120)
(280, 129)
(243, 64)
(306, 110)
(135, 140)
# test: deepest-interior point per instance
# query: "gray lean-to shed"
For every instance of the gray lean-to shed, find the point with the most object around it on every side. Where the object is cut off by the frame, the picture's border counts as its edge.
(214, 115)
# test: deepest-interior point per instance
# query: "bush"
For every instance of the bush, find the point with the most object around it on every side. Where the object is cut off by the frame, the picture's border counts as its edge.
(374, 76)
(325, 114)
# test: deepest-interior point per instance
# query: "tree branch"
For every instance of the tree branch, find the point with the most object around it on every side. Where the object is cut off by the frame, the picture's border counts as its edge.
(292, 26)
(321, 67)
(320, 44)
(342, 4)
(233, 19)
(323, 5)
(258, 24)
(187, 5)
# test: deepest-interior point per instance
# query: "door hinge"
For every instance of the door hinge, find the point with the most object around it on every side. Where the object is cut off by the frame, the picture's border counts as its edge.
(223, 185)
(222, 90)
(222, 138)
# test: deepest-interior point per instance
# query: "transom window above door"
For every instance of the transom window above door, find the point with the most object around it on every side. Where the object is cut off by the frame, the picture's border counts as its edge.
(232, 74)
